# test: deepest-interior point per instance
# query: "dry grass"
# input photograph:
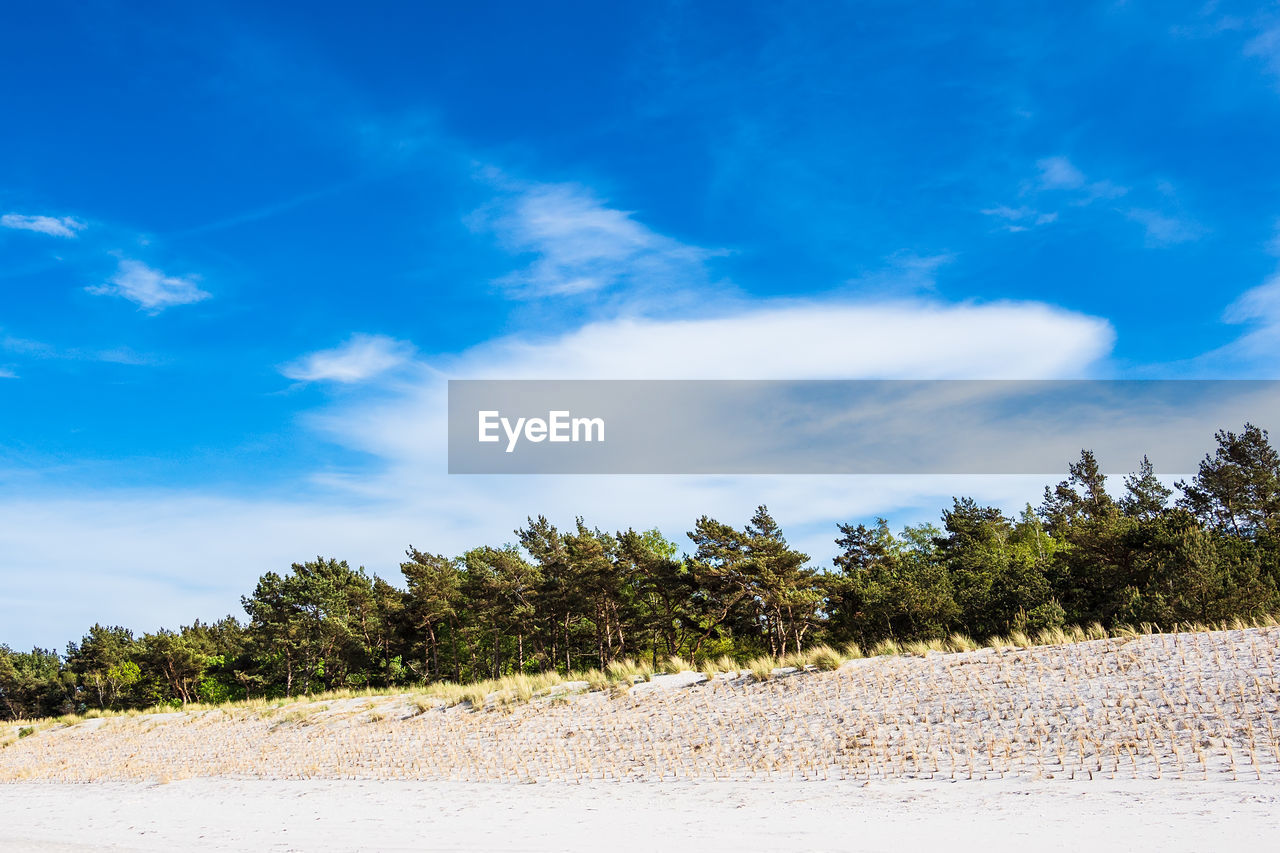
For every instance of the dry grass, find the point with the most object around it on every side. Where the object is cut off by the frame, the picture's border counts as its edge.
(885, 647)
(675, 665)
(761, 669)
(924, 647)
(721, 666)
(825, 658)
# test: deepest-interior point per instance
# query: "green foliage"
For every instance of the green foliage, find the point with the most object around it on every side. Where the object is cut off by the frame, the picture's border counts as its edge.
(1237, 488)
(34, 684)
(316, 628)
(754, 585)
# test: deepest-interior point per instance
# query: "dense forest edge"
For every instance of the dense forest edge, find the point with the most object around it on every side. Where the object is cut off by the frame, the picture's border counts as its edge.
(564, 603)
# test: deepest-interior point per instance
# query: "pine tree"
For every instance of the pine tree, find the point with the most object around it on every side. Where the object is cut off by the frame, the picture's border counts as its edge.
(1238, 487)
(431, 606)
(1145, 496)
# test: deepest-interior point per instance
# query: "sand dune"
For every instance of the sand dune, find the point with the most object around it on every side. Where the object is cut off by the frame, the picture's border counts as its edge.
(1189, 706)
(1162, 740)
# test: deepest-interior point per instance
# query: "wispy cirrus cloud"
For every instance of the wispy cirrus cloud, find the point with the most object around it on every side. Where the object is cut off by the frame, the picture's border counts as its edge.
(1020, 218)
(1060, 183)
(26, 346)
(1163, 229)
(903, 273)
(1255, 353)
(150, 288)
(40, 350)
(54, 226)
(1057, 181)
(1258, 32)
(360, 358)
(1059, 173)
(1265, 46)
(582, 245)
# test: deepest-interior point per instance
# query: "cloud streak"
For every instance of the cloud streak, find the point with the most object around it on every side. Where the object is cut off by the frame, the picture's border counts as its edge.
(1059, 182)
(360, 358)
(583, 246)
(54, 226)
(1265, 46)
(41, 350)
(1164, 230)
(1059, 173)
(890, 340)
(1020, 218)
(149, 288)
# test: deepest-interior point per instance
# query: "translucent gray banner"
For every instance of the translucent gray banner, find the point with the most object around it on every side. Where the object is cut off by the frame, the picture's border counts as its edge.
(842, 426)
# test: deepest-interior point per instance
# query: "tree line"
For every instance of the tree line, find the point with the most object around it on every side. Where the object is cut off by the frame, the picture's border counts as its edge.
(582, 597)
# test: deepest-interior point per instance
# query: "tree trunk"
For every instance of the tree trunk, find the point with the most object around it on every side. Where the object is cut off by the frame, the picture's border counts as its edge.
(433, 666)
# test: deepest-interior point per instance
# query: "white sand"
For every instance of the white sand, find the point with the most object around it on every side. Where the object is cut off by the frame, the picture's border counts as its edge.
(221, 814)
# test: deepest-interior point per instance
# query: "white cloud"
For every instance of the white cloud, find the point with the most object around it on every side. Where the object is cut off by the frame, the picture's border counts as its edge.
(1272, 246)
(54, 226)
(1256, 352)
(1266, 46)
(1055, 177)
(1060, 182)
(903, 274)
(1059, 173)
(25, 346)
(1164, 230)
(362, 357)
(1101, 190)
(150, 288)
(6, 373)
(1257, 303)
(584, 246)
(42, 350)
(776, 341)
(921, 340)
(1020, 218)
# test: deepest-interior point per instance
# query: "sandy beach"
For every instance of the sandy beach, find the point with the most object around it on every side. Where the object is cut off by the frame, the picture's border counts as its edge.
(1151, 742)
(1012, 815)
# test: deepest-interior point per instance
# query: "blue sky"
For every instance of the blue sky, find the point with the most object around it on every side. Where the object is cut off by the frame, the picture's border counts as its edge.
(241, 247)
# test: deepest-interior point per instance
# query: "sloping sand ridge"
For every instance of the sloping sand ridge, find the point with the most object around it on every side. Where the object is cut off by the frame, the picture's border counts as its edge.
(1188, 706)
